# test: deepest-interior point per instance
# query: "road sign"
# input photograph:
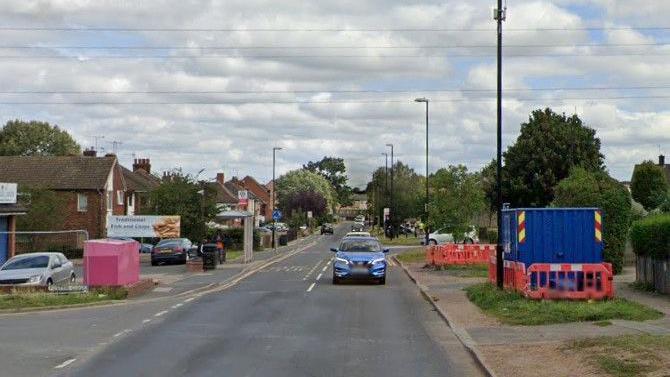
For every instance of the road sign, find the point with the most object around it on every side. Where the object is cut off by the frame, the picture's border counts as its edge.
(243, 197)
(276, 215)
(387, 212)
(8, 193)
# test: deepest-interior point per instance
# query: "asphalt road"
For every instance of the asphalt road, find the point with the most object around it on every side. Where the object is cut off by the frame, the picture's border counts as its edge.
(289, 320)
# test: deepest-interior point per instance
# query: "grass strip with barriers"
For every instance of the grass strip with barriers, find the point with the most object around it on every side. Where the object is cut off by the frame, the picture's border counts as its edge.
(418, 255)
(628, 355)
(36, 300)
(514, 309)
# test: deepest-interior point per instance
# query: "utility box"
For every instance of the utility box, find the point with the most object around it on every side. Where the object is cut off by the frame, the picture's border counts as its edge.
(111, 263)
(552, 235)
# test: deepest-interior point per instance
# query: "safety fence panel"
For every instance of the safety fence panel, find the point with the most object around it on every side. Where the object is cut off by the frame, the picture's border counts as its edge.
(570, 281)
(448, 254)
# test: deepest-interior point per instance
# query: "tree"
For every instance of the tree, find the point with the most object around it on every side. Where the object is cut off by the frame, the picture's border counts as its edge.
(305, 201)
(303, 180)
(19, 138)
(334, 170)
(408, 192)
(649, 185)
(548, 147)
(585, 188)
(46, 210)
(456, 198)
(180, 195)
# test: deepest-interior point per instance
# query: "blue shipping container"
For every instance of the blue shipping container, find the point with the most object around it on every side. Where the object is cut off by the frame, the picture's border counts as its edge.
(552, 235)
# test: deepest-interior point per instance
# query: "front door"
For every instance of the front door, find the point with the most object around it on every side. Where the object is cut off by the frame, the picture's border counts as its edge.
(4, 237)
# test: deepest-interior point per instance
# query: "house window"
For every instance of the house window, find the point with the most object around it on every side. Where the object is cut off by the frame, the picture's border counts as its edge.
(110, 200)
(82, 203)
(119, 197)
(130, 200)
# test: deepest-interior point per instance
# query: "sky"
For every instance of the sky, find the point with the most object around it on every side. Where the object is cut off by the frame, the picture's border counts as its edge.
(215, 85)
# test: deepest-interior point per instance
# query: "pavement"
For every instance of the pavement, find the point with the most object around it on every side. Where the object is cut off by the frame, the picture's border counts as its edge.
(507, 350)
(286, 319)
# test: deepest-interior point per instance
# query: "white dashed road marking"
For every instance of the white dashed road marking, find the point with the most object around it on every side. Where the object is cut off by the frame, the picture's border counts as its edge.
(146, 320)
(325, 268)
(177, 305)
(311, 287)
(319, 277)
(65, 363)
(160, 313)
(189, 299)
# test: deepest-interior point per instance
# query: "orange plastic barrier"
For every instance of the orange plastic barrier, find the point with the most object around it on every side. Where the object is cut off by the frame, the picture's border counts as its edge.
(447, 254)
(570, 281)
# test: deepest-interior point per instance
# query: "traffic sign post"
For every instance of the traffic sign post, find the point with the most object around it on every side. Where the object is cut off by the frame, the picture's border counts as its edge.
(276, 215)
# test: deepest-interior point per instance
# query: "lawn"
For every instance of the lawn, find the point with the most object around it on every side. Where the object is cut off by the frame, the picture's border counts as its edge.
(32, 300)
(512, 308)
(412, 256)
(232, 255)
(627, 356)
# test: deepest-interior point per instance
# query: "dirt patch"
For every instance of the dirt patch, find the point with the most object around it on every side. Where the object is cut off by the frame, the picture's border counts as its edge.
(538, 359)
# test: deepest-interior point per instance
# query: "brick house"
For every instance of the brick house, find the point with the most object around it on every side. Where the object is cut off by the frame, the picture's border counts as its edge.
(262, 194)
(255, 204)
(91, 187)
(139, 184)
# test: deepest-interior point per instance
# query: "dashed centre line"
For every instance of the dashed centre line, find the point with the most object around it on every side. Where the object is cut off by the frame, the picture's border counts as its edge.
(319, 277)
(65, 363)
(311, 287)
(160, 313)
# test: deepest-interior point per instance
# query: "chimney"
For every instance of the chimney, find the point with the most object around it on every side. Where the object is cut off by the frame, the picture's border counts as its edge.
(142, 163)
(110, 155)
(661, 160)
(90, 152)
(220, 178)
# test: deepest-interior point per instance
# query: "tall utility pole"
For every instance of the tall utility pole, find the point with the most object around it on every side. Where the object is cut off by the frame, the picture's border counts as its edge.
(392, 209)
(274, 190)
(386, 189)
(425, 204)
(499, 16)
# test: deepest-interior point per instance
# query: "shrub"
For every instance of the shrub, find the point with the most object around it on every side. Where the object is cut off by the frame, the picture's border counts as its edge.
(649, 185)
(597, 189)
(651, 236)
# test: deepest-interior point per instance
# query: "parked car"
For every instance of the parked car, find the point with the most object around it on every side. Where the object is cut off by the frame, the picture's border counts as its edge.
(281, 227)
(327, 228)
(442, 236)
(143, 248)
(358, 234)
(264, 229)
(359, 258)
(171, 250)
(37, 269)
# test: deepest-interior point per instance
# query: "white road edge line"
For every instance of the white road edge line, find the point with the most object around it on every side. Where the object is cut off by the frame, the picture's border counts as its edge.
(118, 334)
(177, 305)
(65, 363)
(160, 313)
(146, 320)
(324, 268)
(311, 287)
(319, 277)
(189, 299)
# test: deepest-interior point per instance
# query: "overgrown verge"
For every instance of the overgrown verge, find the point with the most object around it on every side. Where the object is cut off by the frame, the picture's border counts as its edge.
(35, 300)
(627, 356)
(514, 309)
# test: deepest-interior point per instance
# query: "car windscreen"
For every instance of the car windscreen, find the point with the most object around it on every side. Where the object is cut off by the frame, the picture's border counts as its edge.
(360, 245)
(41, 261)
(169, 243)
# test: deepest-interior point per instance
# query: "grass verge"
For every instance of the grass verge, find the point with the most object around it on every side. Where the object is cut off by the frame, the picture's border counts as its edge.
(417, 255)
(32, 300)
(512, 308)
(627, 356)
(232, 255)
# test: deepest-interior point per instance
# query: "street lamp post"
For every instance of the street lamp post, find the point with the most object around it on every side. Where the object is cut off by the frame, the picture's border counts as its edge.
(386, 189)
(425, 205)
(274, 185)
(499, 16)
(392, 209)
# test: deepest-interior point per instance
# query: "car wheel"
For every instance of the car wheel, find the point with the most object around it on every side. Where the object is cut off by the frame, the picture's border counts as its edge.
(73, 278)
(432, 242)
(336, 280)
(154, 263)
(50, 282)
(382, 280)
(468, 241)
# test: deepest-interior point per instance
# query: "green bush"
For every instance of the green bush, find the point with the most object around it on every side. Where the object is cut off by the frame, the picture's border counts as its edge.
(597, 189)
(651, 236)
(649, 185)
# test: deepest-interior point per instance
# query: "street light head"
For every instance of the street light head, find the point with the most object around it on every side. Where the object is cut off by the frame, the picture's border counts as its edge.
(277, 148)
(389, 145)
(422, 99)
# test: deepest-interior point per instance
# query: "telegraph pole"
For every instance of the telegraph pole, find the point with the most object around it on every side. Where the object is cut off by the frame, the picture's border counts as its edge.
(499, 16)
(392, 209)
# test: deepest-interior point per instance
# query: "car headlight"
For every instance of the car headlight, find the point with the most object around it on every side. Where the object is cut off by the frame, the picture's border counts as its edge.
(341, 260)
(378, 260)
(35, 279)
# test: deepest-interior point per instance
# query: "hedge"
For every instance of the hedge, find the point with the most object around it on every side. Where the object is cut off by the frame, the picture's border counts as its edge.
(651, 236)
(597, 189)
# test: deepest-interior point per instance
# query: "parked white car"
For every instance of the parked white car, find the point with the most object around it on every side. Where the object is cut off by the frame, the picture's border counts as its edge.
(442, 236)
(37, 269)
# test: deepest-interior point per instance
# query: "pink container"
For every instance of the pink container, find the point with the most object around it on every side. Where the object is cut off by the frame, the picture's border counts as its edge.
(111, 262)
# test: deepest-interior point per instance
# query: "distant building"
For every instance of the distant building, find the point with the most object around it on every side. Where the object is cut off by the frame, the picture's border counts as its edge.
(359, 206)
(139, 184)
